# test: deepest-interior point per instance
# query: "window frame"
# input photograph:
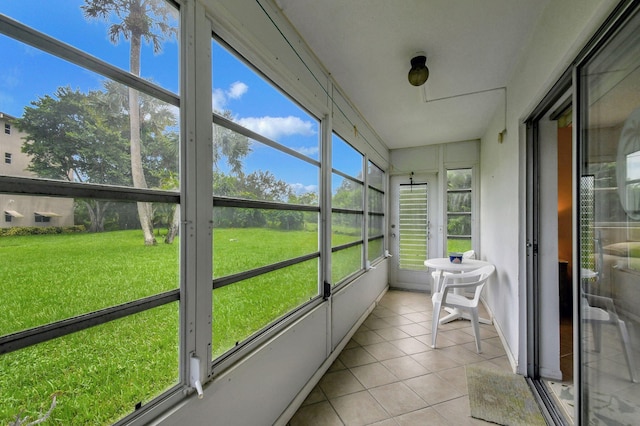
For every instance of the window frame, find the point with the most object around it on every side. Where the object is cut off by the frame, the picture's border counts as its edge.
(196, 205)
(50, 188)
(251, 342)
(474, 213)
(361, 211)
(371, 214)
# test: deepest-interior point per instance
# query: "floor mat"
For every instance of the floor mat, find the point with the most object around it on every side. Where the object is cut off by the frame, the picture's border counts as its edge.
(501, 398)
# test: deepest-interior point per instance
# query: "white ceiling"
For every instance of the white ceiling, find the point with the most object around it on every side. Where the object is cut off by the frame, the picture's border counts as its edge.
(471, 46)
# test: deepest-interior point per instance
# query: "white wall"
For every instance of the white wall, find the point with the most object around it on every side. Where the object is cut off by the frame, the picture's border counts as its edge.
(564, 28)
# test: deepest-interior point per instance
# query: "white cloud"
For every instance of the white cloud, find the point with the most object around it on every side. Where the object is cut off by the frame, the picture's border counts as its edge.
(300, 188)
(237, 89)
(218, 99)
(309, 151)
(276, 127)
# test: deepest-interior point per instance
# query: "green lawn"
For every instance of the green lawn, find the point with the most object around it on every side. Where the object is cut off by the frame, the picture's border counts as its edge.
(100, 374)
(459, 246)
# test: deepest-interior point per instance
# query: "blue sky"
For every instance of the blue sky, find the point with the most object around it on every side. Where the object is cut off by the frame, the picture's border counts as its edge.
(27, 74)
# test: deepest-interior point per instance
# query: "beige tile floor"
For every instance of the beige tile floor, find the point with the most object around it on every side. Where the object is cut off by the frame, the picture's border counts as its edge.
(388, 374)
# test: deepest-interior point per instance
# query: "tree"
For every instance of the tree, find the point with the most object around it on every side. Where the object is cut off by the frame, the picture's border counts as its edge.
(231, 145)
(259, 185)
(75, 136)
(84, 138)
(138, 20)
(348, 195)
(160, 148)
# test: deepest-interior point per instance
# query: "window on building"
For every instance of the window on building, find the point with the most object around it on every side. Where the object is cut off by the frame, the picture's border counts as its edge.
(39, 218)
(7, 158)
(7, 128)
(7, 217)
(266, 203)
(347, 210)
(459, 210)
(96, 305)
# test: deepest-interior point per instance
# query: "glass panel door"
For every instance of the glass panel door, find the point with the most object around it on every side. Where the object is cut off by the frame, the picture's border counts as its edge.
(411, 225)
(609, 229)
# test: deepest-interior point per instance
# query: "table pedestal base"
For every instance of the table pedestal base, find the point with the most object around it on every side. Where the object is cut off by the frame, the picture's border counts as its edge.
(455, 314)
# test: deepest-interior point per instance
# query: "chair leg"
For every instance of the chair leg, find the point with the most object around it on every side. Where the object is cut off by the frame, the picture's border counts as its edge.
(476, 328)
(434, 324)
(437, 280)
(596, 328)
(628, 354)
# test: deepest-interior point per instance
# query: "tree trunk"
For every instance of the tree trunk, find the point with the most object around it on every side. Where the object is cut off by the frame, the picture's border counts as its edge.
(174, 226)
(97, 212)
(93, 226)
(145, 210)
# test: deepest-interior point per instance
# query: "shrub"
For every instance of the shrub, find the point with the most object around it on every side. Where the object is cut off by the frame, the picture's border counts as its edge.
(40, 230)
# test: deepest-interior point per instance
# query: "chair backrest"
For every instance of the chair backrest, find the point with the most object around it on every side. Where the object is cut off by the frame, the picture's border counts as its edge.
(469, 280)
(469, 254)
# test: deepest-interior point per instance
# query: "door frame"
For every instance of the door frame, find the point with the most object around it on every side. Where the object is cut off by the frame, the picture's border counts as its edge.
(405, 279)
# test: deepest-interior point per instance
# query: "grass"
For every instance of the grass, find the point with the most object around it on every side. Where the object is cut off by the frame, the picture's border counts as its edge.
(459, 246)
(102, 373)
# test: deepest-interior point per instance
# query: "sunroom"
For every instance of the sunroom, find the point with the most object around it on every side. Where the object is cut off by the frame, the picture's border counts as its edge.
(250, 180)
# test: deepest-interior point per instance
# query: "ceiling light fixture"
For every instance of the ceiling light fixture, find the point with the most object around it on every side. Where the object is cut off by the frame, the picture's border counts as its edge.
(419, 73)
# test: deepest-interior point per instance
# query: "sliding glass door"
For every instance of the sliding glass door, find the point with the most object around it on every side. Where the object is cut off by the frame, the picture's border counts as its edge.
(609, 229)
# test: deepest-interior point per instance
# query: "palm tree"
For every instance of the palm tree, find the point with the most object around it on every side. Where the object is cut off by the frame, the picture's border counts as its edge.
(137, 20)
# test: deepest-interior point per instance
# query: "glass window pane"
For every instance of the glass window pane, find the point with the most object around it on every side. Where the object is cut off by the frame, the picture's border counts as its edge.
(243, 308)
(459, 210)
(376, 225)
(376, 249)
(46, 264)
(99, 375)
(459, 201)
(85, 29)
(376, 201)
(609, 228)
(245, 239)
(345, 262)
(345, 228)
(376, 177)
(347, 194)
(345, 158)
(242, 95)
(459, 179)
(247, 169)
(459, 225)
(81, 134)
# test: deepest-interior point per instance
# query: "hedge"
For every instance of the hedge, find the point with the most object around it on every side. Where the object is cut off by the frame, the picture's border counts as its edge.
(40, 230)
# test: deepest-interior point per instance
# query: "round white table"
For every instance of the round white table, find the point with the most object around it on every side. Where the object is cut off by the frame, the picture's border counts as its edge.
(445, 265)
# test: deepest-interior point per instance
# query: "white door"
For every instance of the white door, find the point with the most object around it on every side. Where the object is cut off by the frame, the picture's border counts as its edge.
(413, 207)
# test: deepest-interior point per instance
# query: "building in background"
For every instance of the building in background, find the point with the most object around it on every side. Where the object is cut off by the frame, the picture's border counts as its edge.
(25, 210)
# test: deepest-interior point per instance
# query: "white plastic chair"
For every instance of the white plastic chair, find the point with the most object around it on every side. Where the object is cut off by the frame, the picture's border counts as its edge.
(449, 295)
(598, 310)
(437, 275)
